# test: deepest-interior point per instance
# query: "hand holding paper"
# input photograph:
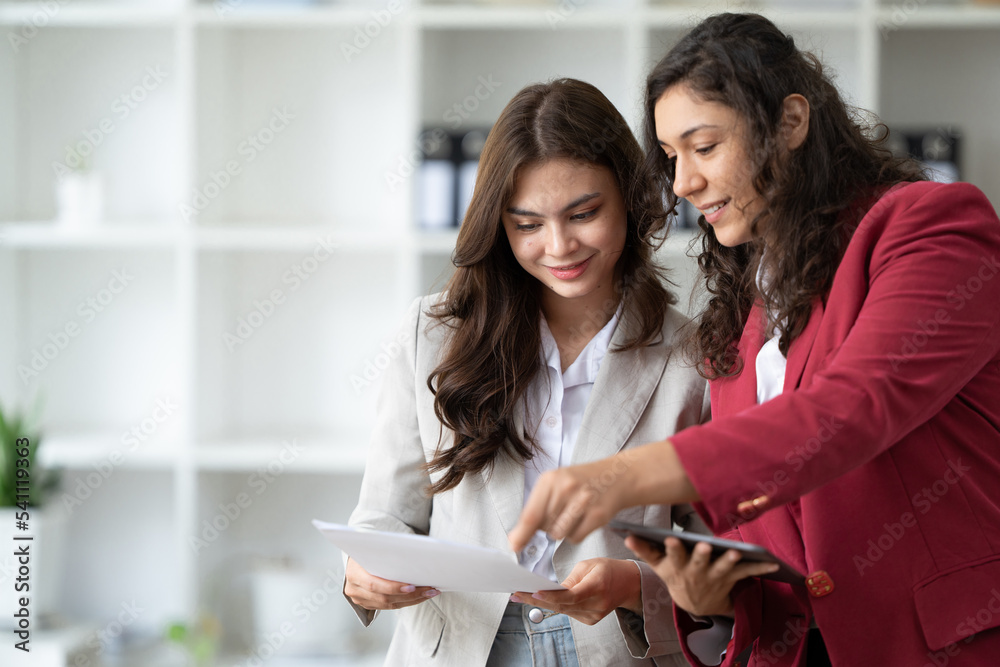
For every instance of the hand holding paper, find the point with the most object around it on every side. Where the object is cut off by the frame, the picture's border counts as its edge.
(426, 561)
(375, 593)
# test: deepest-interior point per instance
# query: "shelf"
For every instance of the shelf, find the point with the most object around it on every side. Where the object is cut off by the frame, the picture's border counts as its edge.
(281, 16)
(548, 18)
(282, 239)
(303, 455)
(119, 450)
(258, 237)
(939, 18)
(89, 15)
(51, 235)
(790, 17)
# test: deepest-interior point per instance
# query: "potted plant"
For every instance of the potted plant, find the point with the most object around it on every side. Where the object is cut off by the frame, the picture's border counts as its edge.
(22, 515)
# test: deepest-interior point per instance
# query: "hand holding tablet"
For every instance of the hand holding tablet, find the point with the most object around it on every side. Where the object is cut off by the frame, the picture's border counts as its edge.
(749, 553)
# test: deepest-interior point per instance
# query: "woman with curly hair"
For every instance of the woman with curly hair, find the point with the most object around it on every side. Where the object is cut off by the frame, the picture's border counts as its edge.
(852, 341)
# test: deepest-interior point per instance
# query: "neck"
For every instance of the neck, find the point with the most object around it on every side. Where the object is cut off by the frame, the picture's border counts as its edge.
(574, 322)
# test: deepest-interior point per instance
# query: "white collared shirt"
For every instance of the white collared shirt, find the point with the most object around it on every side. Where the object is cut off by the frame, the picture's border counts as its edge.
(770, 363)
(555, 404)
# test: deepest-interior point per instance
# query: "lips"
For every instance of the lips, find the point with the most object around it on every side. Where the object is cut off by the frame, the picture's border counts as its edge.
(714, 211)
(570, 271)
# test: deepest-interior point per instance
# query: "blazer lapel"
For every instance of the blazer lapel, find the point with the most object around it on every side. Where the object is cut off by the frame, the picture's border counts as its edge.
(619, 397)
(504, 481)
(734, 394)
(798, 354)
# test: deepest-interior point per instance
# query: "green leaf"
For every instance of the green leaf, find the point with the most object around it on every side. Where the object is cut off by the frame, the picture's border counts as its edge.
(177, 632)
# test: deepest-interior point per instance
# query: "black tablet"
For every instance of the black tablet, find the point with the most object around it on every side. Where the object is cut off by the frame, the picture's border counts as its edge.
(751, 553)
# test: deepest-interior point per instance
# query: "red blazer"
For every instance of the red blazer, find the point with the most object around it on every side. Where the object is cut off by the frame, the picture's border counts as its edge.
(878, 467)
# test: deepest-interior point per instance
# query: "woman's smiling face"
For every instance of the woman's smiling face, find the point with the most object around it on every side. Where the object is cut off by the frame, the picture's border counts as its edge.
(712, 168)
(566, 224)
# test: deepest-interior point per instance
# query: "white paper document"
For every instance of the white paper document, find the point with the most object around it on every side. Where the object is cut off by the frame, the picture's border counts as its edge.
(426, 561)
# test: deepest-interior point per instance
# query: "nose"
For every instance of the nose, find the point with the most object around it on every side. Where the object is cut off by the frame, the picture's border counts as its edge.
(562, 241)
(687, 177)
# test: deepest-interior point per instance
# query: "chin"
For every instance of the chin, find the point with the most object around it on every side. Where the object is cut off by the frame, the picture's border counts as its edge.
(730, 240)
(572, 293)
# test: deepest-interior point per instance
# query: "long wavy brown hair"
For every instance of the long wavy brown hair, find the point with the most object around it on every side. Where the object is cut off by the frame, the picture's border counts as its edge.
(813, 197)
(492, 305)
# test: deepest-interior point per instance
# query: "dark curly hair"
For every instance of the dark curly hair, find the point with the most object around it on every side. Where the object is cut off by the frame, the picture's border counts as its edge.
(813, 196)
(492, 305)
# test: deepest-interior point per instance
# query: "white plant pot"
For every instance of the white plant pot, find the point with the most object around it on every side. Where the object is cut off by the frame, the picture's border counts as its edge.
(80, 200)
(318, 622)
(43, 570)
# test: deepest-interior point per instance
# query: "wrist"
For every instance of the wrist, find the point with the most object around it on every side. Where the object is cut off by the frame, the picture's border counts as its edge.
(633, 601)
(656, 476)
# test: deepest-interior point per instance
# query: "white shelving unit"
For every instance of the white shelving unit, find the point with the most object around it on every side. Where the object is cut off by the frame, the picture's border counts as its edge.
(263, 260)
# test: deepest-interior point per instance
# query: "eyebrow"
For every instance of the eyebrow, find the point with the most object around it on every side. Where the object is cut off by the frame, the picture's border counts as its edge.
(687, 133)
(573, 204)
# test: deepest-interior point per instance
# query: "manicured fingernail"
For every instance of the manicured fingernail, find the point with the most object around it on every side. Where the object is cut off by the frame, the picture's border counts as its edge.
(537, 596)
(431, 593)
(514, 598)
(409, 588)
(774, 567)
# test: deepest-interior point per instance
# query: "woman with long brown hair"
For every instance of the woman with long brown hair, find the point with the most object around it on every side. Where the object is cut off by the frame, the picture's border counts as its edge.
(852, 339)
(554, 342)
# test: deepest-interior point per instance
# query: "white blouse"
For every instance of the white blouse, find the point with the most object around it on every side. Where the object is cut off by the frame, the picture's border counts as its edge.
(770, 362)
(555, 404)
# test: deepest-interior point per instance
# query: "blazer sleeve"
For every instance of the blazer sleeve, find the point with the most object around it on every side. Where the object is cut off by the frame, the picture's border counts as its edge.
(392, 494)
(920, 335)
(651, 635)
(654, 634)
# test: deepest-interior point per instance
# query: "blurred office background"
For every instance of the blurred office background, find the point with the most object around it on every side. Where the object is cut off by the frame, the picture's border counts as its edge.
(213, 214)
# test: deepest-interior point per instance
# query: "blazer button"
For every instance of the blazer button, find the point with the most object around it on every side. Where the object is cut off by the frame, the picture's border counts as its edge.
(748, 509)
(819, 584)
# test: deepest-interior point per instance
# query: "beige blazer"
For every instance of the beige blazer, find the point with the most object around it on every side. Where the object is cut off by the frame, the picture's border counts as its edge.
(639, 396)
